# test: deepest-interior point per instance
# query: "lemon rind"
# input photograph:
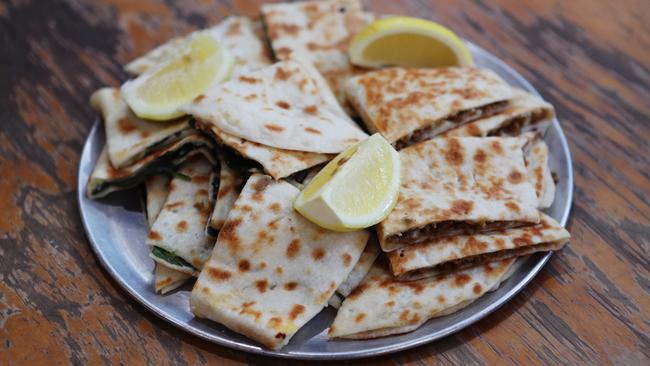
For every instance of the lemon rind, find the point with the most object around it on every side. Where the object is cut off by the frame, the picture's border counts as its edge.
(398, 25)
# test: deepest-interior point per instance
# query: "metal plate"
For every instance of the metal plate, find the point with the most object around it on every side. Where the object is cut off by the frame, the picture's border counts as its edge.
(116, 228)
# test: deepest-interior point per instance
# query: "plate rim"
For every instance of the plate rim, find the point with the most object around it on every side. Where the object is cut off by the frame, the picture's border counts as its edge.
(344, 355)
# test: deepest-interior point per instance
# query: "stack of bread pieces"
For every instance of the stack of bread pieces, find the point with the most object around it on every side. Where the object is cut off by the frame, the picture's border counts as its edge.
(221, 180)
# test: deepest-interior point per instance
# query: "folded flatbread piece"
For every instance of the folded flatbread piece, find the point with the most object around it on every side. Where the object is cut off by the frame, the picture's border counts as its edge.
(381, 305)
(167, 279)
(528, 115)
(106, 179)
(539, 172)
(367, 258)
(278, 163)
(273, 270)
(524, 112)
(157, 190)
(451, 254)
(231, 182)
(177, 237)
(412, 105)
(240, 35)
(453, 186)
(129, 138)
(319, 31)
(286, 106)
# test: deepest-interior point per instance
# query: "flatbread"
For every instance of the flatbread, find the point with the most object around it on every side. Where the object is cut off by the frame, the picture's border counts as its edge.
(278, 163)
(539, 173)
(382, 306)
(105, 179)
(230, 184)
(129, 138)
(286, 106)
(318, 31)
(240, 35)
(274, 269)
(361, 268)
(459, 185)
(524, 112)
(167, 279)
(528, 115)
(157, 190)
(450, 254)
(412, 105)
(177, 237)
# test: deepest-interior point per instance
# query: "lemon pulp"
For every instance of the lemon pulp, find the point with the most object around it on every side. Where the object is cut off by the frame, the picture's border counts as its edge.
(421, 52)
(408, 42)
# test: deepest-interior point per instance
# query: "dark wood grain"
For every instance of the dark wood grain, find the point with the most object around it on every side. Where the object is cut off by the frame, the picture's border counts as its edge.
(590, 304)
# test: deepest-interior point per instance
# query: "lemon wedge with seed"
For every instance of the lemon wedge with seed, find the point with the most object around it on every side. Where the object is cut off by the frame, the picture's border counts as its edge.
(408, 42)
(356, 190)
(158, 93)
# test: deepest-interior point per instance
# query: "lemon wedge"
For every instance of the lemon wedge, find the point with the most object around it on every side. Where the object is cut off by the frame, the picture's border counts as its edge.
(356, 190)
(408, 42)
(158, 93)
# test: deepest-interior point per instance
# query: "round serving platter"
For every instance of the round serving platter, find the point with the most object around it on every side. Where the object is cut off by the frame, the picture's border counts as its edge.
(116, 229)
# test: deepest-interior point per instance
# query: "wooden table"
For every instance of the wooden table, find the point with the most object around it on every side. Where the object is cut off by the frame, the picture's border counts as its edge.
(590, 304)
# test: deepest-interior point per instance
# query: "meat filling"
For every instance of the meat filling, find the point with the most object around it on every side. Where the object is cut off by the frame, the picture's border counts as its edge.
(514, 126)
(449, 228)
(452, 121)
(467, 262)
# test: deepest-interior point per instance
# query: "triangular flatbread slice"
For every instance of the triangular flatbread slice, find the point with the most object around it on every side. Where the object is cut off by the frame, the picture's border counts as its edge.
(368, 257)
(167, 279)
(450, 254)
(177, 237)
(539, 172)
(411, 105)
(231, 182)
(273, 270)
(129, 138)
(319, 31)
(285, 106)
(382, 306)
(157, 190)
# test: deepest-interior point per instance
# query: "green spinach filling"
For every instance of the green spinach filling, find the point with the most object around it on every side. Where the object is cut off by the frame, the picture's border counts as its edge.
(170, 257)
(164, 164)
